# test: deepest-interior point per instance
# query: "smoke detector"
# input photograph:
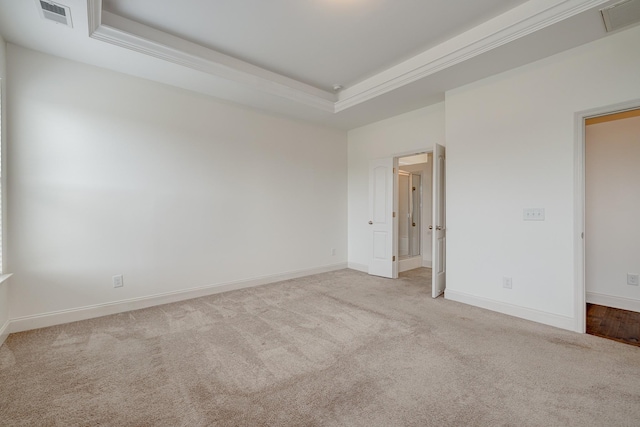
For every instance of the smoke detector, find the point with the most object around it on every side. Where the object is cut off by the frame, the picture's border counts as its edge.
(621, 14)
(58, 13)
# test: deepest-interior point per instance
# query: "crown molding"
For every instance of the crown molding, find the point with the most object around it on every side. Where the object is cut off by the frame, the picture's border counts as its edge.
(119, 31)
(518, 22)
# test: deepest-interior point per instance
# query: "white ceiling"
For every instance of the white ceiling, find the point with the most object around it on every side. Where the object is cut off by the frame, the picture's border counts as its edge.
(319, 42)
(284, 56)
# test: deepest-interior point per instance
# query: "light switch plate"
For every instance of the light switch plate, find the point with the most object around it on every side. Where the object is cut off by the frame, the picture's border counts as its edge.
(633, 279)
(533, 214)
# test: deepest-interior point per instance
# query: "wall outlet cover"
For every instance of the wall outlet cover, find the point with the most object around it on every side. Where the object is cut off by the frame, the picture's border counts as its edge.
(533, 214)
(633, 279)
(118, 281)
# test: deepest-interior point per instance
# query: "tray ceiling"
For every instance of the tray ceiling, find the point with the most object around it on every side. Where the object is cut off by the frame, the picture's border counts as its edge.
(284, 56)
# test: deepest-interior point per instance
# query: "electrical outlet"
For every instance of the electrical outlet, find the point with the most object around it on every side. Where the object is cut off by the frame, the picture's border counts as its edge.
(633, 279)
(118, 281)
(507, 283)
(333, 251)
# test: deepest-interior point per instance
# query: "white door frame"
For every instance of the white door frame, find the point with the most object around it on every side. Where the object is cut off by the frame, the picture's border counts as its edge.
(580, 291)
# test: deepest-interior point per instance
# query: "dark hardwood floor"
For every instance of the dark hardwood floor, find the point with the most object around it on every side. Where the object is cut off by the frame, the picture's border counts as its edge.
(613, 323)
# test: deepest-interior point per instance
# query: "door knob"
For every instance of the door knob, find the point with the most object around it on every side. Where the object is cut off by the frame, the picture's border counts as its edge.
(370, 222)
(438, 227)
(413, 224)
(431, 227)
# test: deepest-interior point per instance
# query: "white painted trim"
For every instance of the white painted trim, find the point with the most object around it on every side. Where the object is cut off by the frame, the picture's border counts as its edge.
(551, 319)
(580, 305)
(614, 301)
(88, 312)
(579, 287)
(94, 12)
(409, 263)
(359, 267)
(427, 263)
(4, 332)
(516, 23)
(512, 25)
(119, 31)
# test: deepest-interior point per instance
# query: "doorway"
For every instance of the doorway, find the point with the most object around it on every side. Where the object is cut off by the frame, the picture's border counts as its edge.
(586, 258)
(384, 222)
(612, 200)
(414, 211)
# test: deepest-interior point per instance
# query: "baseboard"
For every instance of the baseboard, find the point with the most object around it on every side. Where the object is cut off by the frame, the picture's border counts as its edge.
(359, 267)
(4, 331)
(365, 268)
(556, 320)
(409, 264)
(88, 312)
(613, 301)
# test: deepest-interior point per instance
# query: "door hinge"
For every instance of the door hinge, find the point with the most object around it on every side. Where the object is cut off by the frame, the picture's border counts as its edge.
(394, 170)
(394, 258)
(394, 214)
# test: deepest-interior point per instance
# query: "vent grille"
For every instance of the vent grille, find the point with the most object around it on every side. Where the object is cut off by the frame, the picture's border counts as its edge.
(621, 14)
(55, 12)
(53, 8)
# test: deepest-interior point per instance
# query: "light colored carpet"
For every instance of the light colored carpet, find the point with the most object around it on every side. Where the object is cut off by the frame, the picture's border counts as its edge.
(336, 349)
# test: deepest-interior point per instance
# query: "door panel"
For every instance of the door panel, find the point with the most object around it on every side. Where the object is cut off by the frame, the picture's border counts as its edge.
(439, 242)
(381, 223)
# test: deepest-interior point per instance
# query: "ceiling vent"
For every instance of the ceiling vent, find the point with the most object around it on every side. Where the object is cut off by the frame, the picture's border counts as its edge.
(621, 14)
(57, 13)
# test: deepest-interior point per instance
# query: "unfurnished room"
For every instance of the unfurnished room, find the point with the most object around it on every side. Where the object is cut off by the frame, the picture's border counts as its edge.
(320, 213)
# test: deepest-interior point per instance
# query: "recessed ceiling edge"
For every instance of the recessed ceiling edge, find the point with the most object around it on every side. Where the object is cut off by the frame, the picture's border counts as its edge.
(512, 25)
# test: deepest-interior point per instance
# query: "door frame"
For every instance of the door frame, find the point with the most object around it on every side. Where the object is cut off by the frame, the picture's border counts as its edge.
(579, 208)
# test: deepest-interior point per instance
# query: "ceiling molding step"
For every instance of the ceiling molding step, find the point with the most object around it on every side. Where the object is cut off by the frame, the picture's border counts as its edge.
(94, 12)
(116, 30)
(516, 23)
(512, 25)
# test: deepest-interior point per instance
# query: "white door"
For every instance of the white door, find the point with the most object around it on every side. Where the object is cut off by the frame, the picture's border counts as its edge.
(381, 218)
(439, 240)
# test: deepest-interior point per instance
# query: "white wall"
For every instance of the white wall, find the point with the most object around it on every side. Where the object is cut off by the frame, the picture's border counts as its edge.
(111, 174)
(510, 145)
(612, 210)
(404, 134)
(4, 285)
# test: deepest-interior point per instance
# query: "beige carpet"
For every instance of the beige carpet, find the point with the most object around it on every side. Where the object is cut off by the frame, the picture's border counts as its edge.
(336, 349)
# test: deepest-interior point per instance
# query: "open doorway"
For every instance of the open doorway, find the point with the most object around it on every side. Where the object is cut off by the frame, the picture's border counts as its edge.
(384, 222)
(611, 203)
(414, 211)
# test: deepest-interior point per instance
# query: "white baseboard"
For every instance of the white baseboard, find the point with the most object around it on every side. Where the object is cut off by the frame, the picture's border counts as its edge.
(4, 331)
(359, 267)
(365, 268)
(551, 319)
(409, 264)
(88, 312)
(613, 301)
